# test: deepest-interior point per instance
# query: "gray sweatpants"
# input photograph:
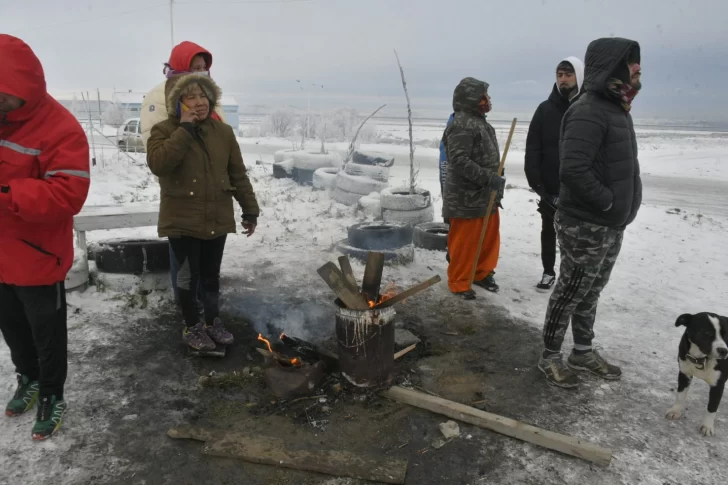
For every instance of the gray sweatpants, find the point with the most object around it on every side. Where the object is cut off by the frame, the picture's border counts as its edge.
(588, 254)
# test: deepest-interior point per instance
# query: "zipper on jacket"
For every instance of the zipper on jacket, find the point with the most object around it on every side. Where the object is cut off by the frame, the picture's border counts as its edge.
(43, 251)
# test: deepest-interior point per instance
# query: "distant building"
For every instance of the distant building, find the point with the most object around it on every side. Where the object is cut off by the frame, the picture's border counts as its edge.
(131, 102)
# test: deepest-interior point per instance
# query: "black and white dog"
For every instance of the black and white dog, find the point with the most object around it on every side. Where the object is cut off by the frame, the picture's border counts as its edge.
(703, 354)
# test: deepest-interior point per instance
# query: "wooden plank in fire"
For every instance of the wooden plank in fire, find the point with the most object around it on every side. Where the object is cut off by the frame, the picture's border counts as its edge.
(408, 293)
(348, 272)
(373, 276)
(335, 279)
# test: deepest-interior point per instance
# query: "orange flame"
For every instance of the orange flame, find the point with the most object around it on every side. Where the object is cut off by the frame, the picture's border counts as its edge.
(263, 339)
(388, 292)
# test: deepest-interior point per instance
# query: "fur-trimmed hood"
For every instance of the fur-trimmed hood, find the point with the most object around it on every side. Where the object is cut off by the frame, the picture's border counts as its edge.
(176, 84)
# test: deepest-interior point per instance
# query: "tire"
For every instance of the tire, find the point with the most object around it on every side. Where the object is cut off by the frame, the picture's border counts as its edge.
(325, 178)
(284, 154)
(344, 197)
(374, 236)
(403, 255)
(312, 161)
(283, 169)
(431, 235)
(122, 146)
(132, 256)
(410, 217)
(372, 158)
(358, 184)
(303, 176)
(373, 171)
(399, 199)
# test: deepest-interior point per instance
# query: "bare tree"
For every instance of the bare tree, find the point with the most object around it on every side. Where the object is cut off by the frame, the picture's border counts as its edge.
(281, 122)
(115, 115)
(353, 140)
(413, 175)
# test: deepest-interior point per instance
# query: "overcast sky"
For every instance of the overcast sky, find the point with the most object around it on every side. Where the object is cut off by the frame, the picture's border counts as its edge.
(261, 47)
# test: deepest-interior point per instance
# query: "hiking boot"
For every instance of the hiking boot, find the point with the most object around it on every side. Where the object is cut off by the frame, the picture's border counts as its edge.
(49, 417)
(558, 373)
(488, 283)
(547, 281)
(197, 338)
(465, 295)
(24, 398)
(218, 333)
(594, 363)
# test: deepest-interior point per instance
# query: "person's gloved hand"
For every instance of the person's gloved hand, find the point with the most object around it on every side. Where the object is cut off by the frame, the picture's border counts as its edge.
(249, 223)
(497, 184)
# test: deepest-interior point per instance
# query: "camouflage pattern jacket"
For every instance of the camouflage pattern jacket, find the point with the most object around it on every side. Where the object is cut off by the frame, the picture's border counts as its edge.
(472, 154)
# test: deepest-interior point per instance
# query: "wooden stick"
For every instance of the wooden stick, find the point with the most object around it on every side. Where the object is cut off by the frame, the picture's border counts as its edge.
(509, 427)
(404, 351)
(407, 293)
(335, 279)
(491, 203)
(291, 454)
(345, 265)
(373, 276)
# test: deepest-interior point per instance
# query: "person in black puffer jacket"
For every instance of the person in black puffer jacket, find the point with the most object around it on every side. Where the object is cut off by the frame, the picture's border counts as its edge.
(542, 157)
(599, 196)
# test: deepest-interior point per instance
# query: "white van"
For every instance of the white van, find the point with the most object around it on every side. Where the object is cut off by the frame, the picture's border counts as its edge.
(129, 136)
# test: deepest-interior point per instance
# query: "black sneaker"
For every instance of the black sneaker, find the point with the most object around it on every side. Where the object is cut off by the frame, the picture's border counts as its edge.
(488, 283)
(466, 295)
(547, 281)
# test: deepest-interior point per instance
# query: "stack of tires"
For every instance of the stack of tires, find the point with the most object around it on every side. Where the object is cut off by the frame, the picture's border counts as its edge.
(398, 205)
(366, 173)
(394, 240)
(300, 165)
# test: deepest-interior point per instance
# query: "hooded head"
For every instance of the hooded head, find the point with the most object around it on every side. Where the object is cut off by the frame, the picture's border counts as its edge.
(570, 65)
(607, 58)
(184, 85)
(21, 77)
(468, 94)
(188, 57)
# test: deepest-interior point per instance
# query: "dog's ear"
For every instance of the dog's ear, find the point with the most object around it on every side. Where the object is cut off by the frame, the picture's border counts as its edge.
(683, 320)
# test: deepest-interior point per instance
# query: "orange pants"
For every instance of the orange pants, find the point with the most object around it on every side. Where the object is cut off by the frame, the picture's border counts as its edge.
(462, 244)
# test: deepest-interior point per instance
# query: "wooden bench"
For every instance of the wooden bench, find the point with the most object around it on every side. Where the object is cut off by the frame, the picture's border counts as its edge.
(100, 217)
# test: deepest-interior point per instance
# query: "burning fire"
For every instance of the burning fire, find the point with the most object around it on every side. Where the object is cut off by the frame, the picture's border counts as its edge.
(388, 292)
(294, 361)
(263, 339)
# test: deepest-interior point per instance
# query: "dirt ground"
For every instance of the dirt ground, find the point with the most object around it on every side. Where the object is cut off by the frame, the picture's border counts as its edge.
(135, 381)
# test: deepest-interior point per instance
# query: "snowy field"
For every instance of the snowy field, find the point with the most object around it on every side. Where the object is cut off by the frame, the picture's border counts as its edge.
(673, 261)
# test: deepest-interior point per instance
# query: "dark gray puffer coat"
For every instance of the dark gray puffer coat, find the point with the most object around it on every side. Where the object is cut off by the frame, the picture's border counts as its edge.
(600, 172)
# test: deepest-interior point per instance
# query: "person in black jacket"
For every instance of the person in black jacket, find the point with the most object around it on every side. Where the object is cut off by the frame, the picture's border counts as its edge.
(542, 157)
(600, 194)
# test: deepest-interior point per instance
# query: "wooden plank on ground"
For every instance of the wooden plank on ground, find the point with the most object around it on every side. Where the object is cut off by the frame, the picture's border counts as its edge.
(509, 427)
(291, 454)
(404, 351)
(348, 272)
(335, 279)
(373, 276)
(408, 293)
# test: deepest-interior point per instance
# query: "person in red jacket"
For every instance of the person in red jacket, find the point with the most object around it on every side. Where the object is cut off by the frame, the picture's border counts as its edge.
(44, 182)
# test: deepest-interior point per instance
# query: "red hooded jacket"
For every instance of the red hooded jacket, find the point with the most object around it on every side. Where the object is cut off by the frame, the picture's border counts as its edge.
(44, 160)
(181, 58)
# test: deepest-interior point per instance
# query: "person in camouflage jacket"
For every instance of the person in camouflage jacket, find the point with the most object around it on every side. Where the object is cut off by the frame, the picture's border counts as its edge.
(600, 194)
(472, 173)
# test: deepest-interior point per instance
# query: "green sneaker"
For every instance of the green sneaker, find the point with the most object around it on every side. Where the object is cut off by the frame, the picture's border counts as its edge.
(557, 373)
(594, 363)
(49, 418)
(24, 398)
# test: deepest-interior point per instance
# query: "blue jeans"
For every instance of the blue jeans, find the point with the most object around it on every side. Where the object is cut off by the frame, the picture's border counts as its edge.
(173, 270)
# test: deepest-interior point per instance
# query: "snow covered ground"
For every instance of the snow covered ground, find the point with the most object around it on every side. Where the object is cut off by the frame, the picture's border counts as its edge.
(673, 261)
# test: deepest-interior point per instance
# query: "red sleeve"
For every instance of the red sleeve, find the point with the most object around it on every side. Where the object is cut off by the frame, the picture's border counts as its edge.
(64, 186)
